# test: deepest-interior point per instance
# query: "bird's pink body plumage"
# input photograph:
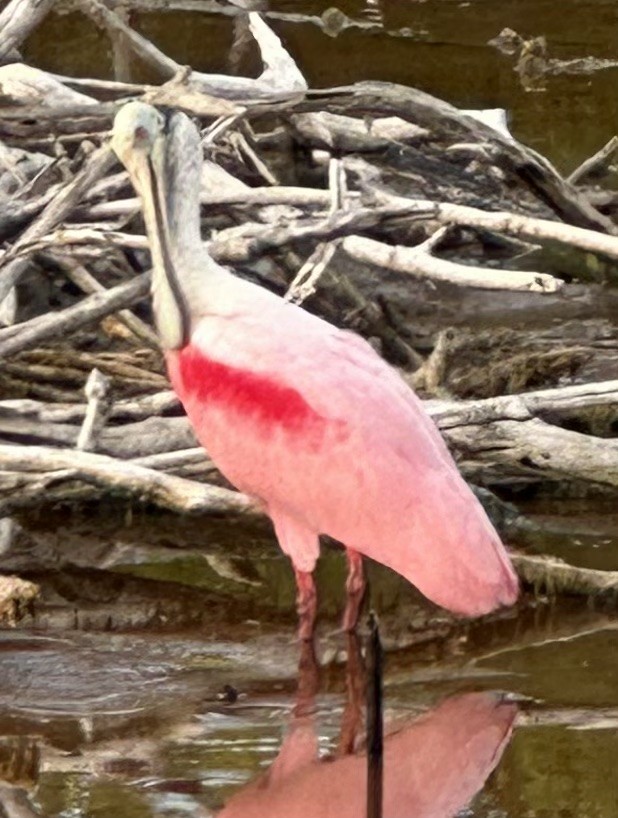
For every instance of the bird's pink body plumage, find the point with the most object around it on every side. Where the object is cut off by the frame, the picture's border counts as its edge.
(304, 417)
(309, 420)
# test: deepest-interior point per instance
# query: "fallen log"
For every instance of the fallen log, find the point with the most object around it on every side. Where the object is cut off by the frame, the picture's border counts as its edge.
(28, 471)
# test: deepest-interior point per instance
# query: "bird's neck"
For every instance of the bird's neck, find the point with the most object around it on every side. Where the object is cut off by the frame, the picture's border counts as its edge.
(183, 197)
(172, 224)
(184, 275)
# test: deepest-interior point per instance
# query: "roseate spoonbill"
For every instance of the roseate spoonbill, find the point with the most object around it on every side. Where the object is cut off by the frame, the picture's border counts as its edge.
(304, 417)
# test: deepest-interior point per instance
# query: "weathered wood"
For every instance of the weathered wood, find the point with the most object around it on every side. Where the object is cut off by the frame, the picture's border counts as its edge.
(92, 308)
(151, 436)
(241, 244)
(280, 77)
(538, 403)
(17, 20)
(97, 410)
(514, 224)
(595, 163)
(28, 87)
(89, 284)
(448, 124)
(496, 439)
(554, 576)
(532, 450)
(58, 413)
(416, 261)
(26, 472)
(13, 264)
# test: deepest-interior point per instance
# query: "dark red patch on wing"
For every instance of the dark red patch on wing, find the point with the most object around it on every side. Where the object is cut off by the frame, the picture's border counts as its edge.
(245, 392)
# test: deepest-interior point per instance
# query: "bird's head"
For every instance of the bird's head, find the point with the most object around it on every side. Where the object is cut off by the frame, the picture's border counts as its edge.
(138, 139)
(162, 153)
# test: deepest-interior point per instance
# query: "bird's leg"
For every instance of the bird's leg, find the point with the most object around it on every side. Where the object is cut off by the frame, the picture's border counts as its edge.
(306, 604)
(308, 680)
(355, 590)
(352, 719)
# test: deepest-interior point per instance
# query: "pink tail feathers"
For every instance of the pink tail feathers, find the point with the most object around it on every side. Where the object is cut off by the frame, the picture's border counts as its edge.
(469, 571)
(452, 554)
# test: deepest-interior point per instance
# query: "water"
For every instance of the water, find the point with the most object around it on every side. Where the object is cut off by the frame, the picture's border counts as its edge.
(114, 701)
(163, 680)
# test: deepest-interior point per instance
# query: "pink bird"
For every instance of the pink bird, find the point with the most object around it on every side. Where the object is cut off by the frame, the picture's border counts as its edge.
(300, 415)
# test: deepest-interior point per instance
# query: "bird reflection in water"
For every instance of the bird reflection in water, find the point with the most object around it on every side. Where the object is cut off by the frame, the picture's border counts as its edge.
(433, 764)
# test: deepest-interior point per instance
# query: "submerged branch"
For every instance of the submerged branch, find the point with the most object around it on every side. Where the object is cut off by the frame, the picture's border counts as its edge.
(554, 576)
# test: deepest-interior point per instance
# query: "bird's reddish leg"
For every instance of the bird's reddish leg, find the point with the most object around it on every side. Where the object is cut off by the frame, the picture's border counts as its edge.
(355, 590)
(352, 719)
(306, 604)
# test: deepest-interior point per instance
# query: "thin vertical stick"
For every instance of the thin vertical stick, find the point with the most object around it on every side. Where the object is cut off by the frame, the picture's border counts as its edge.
(375, 732)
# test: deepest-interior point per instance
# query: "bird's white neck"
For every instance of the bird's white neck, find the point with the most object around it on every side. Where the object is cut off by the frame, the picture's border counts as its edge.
(183, 205)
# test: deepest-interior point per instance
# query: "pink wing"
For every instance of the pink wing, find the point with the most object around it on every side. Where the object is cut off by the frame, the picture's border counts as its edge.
(310, 420)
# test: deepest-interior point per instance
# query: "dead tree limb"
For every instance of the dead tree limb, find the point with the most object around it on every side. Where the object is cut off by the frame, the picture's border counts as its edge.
(383, 99)
(280, 77)
(418, 262)
(555, 576)
(523, 406)
(17, 20)
(92, 308)
(599, 161)
(12, 265)
(80, 276)
(513, 224)
(27, 470)
(528, 448)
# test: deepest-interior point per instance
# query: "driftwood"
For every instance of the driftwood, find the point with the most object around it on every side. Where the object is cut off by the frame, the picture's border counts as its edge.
(92, 308)
(513, 224)
(370, 204)
(554, 576)
(596, 163)
(29, 470)
(419, 261)
(97, 393)
(12, 266)
(17, 20)
(280, 77)
(496, 439)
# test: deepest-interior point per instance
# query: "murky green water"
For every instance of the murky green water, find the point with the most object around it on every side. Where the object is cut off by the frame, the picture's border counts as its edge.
(162, 681)
(135, 727)
(128, 722)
